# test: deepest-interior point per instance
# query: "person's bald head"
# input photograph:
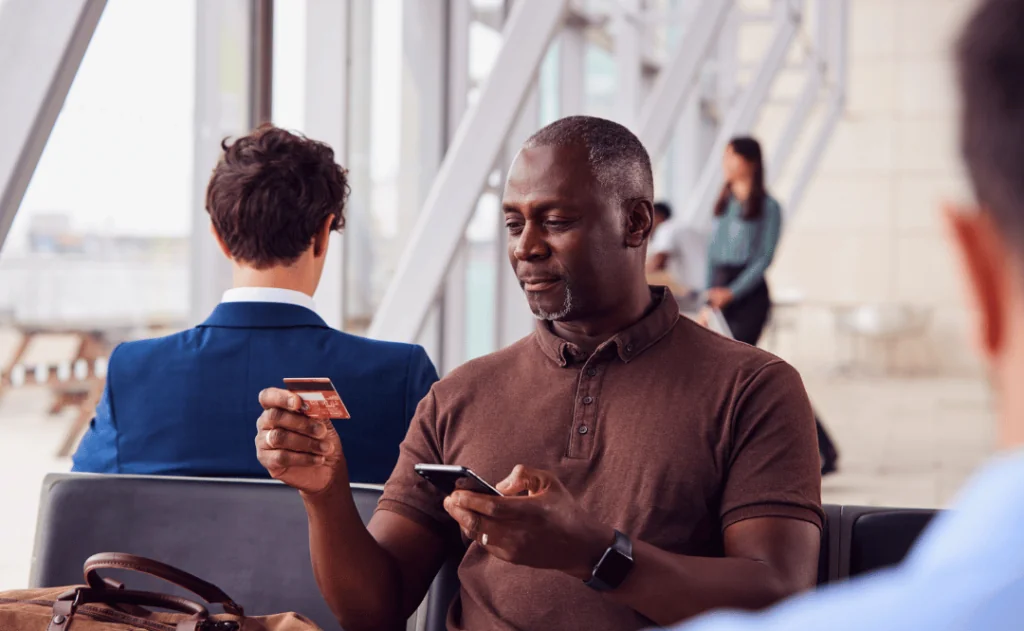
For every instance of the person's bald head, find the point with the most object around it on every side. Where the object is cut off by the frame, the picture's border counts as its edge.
(616, 157)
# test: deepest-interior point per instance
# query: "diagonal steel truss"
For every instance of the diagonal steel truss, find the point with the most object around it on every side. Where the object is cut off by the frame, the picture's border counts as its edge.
(53, 34)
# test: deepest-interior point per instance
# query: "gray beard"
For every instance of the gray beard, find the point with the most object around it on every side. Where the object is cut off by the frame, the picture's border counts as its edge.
(567, 306)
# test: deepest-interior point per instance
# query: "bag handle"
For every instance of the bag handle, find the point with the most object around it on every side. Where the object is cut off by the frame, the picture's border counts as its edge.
(86, 595)
(119, 560)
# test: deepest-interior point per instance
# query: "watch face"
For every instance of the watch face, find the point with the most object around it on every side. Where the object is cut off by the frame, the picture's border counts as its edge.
(614, 568)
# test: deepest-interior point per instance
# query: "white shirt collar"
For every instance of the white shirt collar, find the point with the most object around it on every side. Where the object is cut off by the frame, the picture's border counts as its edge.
(269, 294)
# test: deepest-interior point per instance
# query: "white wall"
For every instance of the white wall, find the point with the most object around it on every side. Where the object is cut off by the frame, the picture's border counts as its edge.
(869, 229)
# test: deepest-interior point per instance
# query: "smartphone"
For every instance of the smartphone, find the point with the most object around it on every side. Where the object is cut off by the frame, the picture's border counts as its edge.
(448, 478)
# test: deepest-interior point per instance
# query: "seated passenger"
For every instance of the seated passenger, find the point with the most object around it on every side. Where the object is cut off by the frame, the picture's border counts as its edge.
(666, 470)
(967, 571)
(185, 404)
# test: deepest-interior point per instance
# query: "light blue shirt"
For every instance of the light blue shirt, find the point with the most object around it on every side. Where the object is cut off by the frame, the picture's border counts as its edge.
(965, 574)
(750, 244)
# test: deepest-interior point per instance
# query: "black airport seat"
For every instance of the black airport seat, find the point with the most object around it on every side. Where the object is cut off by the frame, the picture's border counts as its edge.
(248, 537)
(875, 538)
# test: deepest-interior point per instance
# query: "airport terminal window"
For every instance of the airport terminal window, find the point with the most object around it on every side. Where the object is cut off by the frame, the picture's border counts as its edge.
(99, 250)
(484, 241)
(100, 242)
(378, 226)
(548, 88)
(599, 81)
(289, 66)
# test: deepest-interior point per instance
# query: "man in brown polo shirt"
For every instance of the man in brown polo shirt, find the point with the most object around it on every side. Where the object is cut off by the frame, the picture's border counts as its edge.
(651, 469)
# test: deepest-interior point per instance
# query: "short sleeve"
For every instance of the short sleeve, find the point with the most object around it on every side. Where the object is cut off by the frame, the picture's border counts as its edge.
(773, 464)
(405, 492)
(422, 376)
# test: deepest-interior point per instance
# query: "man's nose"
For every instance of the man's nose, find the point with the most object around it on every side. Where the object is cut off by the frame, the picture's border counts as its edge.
(530, 243)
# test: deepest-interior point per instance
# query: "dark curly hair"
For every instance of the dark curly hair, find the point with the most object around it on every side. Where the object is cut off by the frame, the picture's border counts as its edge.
(270, 194)
(750, 150)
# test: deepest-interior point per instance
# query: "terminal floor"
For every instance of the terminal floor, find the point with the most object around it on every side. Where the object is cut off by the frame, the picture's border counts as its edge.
(904, 442)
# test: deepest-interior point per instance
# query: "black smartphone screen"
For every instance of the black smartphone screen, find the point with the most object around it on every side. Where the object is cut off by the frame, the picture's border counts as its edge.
(449, 478)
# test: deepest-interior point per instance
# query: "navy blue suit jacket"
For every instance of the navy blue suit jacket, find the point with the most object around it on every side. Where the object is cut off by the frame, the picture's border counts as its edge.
(187, 404)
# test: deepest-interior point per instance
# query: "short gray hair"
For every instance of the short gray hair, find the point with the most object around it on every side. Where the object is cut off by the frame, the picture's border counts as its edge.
(617, 158)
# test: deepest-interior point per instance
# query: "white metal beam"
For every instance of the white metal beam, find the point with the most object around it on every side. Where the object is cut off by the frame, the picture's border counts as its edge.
(477, 144)
(836, 107)
(628, 61)
(798, 117)
(222, 109)
(742, 116)
(677, 79)
(42, 43)
(453, 309)
(424, 121)
(362, 253)
(813, 82)
(571, 51)
(326, 116)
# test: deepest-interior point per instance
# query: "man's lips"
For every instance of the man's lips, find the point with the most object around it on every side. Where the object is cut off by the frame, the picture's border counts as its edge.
(539, 283)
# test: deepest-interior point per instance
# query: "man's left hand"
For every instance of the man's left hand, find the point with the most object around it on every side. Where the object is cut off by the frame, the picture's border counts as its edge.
(538, 524)
(718, 297)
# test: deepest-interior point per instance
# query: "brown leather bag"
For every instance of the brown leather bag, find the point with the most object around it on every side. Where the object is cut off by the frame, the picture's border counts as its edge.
(104, 605)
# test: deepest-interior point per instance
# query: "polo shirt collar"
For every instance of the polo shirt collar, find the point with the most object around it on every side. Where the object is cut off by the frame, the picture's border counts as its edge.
(628, 344)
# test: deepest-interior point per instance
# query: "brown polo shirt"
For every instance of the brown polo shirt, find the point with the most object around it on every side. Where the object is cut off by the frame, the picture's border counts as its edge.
(668, 433)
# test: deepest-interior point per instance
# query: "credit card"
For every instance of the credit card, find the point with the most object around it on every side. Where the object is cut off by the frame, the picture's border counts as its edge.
(319, 397)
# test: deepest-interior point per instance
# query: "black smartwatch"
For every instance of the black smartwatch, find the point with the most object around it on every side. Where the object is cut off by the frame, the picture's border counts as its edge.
(614, 566)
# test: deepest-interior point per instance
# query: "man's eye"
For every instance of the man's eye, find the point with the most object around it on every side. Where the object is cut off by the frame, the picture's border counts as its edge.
(513, 226)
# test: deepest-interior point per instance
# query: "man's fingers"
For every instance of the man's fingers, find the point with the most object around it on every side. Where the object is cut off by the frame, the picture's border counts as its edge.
(486, 505)
(283, 439)
(522, 480)
(276, 460)
(280, 398)
(277, 418)
(468, 521)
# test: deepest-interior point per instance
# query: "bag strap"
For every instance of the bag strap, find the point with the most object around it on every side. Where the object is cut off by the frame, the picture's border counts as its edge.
(68, 603)
(118, 560)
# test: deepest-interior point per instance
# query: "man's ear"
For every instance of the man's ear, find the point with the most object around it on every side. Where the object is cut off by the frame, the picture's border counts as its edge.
(985, 262)
(220, 242)
(639, 222)
(323, 237)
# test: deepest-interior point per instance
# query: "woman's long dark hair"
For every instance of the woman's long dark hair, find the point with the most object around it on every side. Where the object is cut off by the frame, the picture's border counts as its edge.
(750, 150)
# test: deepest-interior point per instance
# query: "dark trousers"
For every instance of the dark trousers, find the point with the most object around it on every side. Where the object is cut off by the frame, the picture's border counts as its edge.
(748, 314)
(747, 317)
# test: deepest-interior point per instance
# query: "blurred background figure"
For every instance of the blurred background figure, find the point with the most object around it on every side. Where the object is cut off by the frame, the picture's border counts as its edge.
(748, 222)
(746, 232)
(673, 258)
(662, 213)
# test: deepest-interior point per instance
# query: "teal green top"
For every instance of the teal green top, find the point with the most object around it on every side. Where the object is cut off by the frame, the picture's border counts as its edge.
(738, 242)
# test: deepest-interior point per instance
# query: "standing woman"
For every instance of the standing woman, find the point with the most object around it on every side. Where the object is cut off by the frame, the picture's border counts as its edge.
(747, 227)
(748, 222)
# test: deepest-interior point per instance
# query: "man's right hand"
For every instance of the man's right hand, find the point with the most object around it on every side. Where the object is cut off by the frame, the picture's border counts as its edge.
(304, 453)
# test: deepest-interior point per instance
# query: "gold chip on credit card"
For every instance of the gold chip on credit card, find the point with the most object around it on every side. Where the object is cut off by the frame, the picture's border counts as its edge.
(319, 397)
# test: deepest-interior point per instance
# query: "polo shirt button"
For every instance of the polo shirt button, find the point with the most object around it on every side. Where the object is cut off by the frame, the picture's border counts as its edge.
(588, 401)
(583, 429)
(591, 372)
(629, 348)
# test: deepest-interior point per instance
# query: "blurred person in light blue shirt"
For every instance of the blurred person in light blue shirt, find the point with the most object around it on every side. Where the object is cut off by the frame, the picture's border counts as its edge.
(967, 571)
